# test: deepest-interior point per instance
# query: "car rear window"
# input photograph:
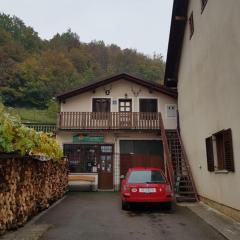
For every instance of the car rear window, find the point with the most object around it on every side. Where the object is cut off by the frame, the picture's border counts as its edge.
(146, 176)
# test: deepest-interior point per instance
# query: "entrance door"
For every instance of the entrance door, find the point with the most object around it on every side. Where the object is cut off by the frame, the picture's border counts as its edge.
(125, 109)
(105, 167)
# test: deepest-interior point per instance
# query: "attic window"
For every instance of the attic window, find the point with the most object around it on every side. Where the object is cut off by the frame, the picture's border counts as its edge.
(191, 25)
(203, 4)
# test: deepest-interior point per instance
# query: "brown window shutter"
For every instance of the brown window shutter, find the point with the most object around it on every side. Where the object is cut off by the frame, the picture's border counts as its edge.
(228, 150)
(101, 105)
(210, 156)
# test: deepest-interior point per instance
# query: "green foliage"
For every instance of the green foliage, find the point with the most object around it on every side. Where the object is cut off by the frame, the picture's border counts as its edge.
(53, 106)
(33, 71)
(36, 115)
(15, 137)
(20, 32)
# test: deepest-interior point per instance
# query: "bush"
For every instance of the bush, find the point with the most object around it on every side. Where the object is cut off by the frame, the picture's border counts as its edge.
(15, 137)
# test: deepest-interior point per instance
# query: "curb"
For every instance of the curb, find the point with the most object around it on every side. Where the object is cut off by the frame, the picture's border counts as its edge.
(34, 219)
(223, 224)
(31, 231)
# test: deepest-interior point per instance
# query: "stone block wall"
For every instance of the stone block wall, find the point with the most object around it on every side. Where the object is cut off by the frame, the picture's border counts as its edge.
(27, 186)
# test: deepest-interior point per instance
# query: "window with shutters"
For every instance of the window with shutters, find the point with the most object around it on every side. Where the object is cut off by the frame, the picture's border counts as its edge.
(100, 108)
(148, 105)
(203, 4)
(219, 150)
(191, 25)
(101, 105)
(210, 155)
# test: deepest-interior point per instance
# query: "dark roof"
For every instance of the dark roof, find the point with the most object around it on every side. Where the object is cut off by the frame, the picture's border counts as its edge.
(93, 85)
(178, 23)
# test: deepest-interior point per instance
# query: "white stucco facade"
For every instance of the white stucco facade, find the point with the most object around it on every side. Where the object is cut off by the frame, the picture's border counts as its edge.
(118, 89)
(209, 94)
(121, 89)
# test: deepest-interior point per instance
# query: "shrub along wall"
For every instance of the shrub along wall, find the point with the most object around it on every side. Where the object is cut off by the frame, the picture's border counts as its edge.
(28, 186)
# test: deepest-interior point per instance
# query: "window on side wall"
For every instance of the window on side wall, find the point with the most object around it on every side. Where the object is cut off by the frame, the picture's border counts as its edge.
(191, 25)
(219, 149)
(203, 4)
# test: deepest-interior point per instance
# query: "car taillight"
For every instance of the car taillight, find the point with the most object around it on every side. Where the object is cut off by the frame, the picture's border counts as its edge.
(168, 189)
(134, 190)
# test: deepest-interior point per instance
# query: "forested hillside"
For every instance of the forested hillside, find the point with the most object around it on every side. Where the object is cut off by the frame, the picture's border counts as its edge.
(33, 71)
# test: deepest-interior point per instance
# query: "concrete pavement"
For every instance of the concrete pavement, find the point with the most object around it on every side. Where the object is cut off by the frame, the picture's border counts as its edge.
(90, 216)
(223, 224)
(98, 215)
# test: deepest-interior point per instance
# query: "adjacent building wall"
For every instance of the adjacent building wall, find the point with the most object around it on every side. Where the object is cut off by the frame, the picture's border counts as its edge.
(209, 93)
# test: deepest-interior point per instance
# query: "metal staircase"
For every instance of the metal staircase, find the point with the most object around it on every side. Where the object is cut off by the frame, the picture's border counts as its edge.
(185, 189)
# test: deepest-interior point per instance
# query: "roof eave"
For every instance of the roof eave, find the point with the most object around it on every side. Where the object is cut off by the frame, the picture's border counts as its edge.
(94, 85)
(177, 29)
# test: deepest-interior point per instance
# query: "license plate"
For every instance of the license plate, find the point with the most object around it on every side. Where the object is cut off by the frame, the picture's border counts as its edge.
(147, 190)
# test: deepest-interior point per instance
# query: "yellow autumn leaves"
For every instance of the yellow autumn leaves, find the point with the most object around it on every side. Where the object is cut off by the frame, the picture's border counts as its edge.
(15, 137)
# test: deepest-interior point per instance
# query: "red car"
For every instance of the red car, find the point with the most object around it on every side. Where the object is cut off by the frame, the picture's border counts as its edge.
(145, 185)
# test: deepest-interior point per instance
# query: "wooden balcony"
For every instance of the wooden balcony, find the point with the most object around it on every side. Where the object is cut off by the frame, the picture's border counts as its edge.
(109, 121)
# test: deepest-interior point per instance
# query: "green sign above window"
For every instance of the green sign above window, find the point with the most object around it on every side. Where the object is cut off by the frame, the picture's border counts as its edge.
(78, 138)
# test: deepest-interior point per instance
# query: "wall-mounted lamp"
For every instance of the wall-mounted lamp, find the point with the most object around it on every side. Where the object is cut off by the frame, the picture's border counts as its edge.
(126, 95)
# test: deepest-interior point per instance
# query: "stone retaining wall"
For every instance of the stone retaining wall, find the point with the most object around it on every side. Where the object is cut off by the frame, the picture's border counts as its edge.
(27, 186)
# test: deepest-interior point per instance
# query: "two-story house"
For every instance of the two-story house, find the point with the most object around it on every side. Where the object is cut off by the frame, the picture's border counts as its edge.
(112, 124)
(203, 64)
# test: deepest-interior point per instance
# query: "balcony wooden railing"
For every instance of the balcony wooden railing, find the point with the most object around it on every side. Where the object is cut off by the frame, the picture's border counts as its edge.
(109, 120)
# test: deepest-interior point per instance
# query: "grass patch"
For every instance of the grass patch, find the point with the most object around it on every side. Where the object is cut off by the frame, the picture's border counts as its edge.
(34, 115)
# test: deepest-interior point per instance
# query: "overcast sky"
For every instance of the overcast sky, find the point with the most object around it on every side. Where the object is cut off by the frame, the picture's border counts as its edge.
(139, 24)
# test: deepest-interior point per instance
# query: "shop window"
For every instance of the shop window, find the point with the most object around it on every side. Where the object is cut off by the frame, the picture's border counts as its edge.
(84, 158)
(219, 151)
(106, 149)
(191, 25)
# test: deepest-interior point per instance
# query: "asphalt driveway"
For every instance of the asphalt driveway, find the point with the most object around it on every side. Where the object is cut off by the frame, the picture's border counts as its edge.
(98, 215)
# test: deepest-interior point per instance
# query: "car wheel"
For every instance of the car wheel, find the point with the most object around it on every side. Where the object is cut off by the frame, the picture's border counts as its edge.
(168, 206)
(125, 206)
(171, 207)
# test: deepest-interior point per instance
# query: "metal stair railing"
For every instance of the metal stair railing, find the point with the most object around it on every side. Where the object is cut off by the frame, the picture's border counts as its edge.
(184, 182)
(167, 155)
